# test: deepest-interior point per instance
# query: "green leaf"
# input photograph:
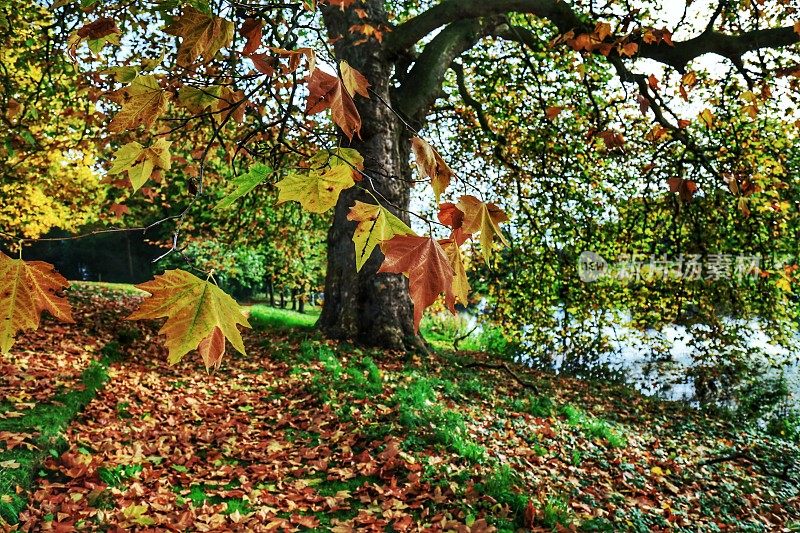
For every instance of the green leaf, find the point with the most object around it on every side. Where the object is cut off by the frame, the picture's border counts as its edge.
(245, 183)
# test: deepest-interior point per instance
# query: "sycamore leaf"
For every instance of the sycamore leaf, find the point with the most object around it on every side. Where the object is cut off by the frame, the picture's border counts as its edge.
(328, 92)
(426, 265)
(685, 188)
(245, 183)
(376, 224)
(143, 101)
(707, 118)
(139, 162)
(450, 215)
(194, 308)
(460, 292)
(198, 100)
(330, 174)
(354, 82)
(212, 348)
(203, 35)
(26, 289)
(252, 30)
(484, 218)
(431, 165)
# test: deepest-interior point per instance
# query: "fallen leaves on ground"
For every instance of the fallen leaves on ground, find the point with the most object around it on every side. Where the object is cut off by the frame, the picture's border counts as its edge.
(303, 434)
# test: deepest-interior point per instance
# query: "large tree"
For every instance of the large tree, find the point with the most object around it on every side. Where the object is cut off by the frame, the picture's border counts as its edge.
(222, 78)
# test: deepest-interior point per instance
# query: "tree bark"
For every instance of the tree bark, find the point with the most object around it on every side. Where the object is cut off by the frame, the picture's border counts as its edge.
(365, 306)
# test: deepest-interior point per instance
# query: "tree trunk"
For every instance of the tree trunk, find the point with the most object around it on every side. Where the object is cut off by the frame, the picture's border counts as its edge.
(365, 306)
(271, 290)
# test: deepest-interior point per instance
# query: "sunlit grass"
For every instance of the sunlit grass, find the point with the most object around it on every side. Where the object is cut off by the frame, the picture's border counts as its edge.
(128, 288)
(264, 316)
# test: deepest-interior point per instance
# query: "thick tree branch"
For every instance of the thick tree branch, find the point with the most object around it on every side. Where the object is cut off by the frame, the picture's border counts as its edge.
(421, 86)
(414, 30)
(565, 19)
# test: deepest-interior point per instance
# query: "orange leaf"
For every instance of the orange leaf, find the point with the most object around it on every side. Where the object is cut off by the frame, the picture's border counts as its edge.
(212, 348)
(484, 218)
(203, 35)
(354, 82)
(431, 164)
(328, 92)
(450, 215)
(252, 31)
(26, 289)
(427, 267)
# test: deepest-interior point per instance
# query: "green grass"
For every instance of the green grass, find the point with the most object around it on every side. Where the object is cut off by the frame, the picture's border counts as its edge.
(48, 419)
(127, 288)
(592, 427)
(264, 316)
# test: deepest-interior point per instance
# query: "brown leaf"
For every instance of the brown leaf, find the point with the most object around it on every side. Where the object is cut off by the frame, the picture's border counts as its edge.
(426, 265)
(203, 35)
(431, 164)
(252, 31)
(328, 92)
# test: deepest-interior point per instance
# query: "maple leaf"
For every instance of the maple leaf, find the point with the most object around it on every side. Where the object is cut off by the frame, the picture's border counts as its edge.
(684, 188)
(203, 35)
(328, 92)
(198, 100)
(460, 290)
(139, 162)
(484, 218)
(376, 224)
(354, 82)
(194, 309)
(143, 101)
(26, 289)
(450, 215)
(707, 118)
(245, 183)
(431, 165)
(320, 189)
(426, 265)
(252, 31)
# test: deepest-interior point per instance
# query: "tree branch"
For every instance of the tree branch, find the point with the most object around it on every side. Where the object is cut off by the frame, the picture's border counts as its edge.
(561, 14)
(421, 86)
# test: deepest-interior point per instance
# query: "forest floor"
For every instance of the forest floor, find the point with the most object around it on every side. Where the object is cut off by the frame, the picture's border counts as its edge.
(98, 432)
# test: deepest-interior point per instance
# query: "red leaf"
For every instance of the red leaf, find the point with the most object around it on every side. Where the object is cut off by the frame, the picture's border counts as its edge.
(426, 265)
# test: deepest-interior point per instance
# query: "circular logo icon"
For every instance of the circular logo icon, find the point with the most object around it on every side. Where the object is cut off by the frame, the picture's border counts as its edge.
(591, 266)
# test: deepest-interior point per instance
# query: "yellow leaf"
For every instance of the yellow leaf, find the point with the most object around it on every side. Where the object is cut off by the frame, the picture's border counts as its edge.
(375, 225)
(143, 101)
(431, 165)
(26, 289)
(707, 118)
(139, 162)
(656, 470)
(319, 190)
(203, 35)
(10, 464)
(197, 100)
(194, 309)
(460, 282)
(484, 218)
(354, 82)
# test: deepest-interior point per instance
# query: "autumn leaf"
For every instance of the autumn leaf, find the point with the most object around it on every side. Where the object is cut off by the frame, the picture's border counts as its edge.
(685, 188)
(354, 82)
(194, 309)
(203, 35)
(245, 183)
(319, 190)
(328, 92)
(450, 215)
(197, 100)
(553, 111)
(212, 348)
(26, 289)
(252, 31)
(707, 118)
(431, 165)
(452, 250)
(484, 218)
(376, 224)
(426, 265)
(143, 101)
(139, 162)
